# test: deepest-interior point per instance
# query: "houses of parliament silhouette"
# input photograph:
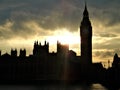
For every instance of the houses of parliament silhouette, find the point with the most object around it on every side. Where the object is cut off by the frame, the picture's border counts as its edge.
(62, 65)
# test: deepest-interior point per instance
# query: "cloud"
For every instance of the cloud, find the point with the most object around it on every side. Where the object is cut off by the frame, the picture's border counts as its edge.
(107, 13)
(49, 14)
(25, 30)
(105, 54)
(54, 13)
(106, 43)
(107, 35)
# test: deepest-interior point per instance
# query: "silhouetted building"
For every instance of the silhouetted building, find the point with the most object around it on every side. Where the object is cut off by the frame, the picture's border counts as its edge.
(62, 65)
(116, 61)
(22, 53)
(62, 49)
(86, 45)
(0, 52)
(40, 50)
(14, 53)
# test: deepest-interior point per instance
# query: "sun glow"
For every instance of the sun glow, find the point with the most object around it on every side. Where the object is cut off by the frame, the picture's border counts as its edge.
(65, 37)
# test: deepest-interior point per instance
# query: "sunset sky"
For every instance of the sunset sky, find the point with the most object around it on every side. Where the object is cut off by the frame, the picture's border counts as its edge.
(24, 21)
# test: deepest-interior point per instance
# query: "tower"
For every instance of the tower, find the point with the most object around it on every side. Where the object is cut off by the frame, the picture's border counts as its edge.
(22, 53)
(40, 50)
(14, 53)
(86, 39)
(62, 49)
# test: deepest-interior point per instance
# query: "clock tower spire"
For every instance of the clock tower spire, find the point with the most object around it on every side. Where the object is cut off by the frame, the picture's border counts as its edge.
(86, 39)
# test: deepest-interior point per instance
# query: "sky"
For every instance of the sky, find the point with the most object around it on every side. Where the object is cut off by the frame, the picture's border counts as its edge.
(24, 21)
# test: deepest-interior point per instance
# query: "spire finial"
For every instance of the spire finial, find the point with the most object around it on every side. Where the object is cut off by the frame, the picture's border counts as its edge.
(85, 13)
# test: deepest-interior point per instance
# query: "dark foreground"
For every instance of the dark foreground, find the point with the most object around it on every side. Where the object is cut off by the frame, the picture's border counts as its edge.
(55, 85)
(51, 86)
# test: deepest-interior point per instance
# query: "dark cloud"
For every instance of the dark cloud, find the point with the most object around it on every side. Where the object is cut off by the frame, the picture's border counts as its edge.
(111, 17)
(8, 31)
(52, 14)
(49, 14)
(105, 11)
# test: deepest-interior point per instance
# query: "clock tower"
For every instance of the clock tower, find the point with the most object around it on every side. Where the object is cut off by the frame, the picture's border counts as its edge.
(86, 40)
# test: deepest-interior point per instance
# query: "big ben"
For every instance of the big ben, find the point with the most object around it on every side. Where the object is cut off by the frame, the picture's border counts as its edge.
(86, 39)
